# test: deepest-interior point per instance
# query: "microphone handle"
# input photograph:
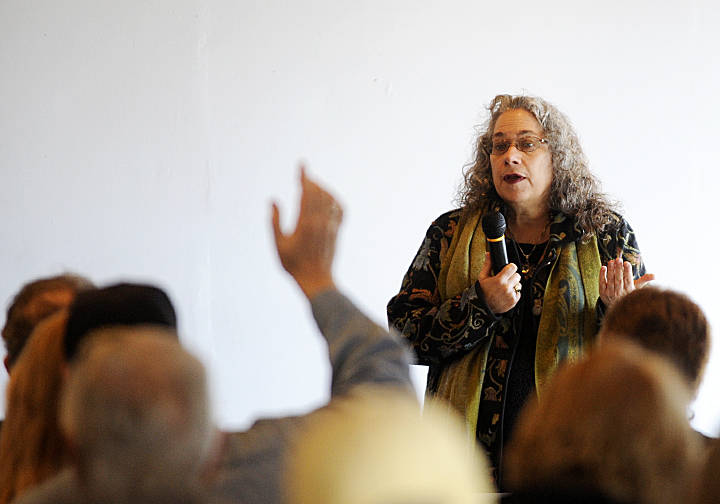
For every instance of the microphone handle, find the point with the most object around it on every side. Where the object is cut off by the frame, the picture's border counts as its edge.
(498, 254)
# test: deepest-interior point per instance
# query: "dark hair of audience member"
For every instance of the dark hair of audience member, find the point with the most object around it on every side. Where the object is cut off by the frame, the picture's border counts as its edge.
(35, 301)
(612, 425)
(120, 304)
(666, 322)
(32, 448)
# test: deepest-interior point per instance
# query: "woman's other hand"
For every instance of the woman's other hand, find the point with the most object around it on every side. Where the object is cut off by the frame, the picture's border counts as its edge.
(502, 291)
(616, 280)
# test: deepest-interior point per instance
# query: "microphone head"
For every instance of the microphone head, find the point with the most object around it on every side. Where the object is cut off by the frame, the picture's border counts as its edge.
(493, 225)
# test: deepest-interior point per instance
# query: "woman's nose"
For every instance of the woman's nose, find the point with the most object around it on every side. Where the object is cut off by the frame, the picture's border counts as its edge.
(512, 156)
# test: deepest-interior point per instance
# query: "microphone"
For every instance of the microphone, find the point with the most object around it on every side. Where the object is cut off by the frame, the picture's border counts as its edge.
(493, 225)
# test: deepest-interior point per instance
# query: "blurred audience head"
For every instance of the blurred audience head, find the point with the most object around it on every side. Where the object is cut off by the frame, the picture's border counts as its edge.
(136, 413)
(31, 446)
(35, 301)
(123, 304)
(666, 322)
(707, 490)
(375, 447)
(613, 424)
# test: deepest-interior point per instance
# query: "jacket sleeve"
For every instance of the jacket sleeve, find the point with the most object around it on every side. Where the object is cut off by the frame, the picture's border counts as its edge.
(361, 352)
(438, 330)
(252, 468)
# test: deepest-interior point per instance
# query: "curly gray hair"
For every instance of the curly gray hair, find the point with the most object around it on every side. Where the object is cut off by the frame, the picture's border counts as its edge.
(574, 190)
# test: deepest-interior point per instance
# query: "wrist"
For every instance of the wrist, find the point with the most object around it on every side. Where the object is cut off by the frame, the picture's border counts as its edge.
(314, 285)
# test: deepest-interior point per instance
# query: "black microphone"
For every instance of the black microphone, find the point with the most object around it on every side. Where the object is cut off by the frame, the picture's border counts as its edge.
(493, 225)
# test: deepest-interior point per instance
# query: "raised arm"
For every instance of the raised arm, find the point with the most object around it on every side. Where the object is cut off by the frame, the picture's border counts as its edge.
(438, 330)
(361, 352)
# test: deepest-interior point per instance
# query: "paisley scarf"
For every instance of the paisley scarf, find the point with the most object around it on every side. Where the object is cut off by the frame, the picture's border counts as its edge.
(567, 324)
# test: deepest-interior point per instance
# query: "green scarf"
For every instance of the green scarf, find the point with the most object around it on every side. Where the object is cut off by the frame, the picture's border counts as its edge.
(567, 323)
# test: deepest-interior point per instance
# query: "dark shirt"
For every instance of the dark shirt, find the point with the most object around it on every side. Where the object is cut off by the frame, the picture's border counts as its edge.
(521, 374)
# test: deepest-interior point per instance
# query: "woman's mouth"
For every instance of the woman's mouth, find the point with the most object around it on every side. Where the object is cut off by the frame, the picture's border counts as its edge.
(513, 178)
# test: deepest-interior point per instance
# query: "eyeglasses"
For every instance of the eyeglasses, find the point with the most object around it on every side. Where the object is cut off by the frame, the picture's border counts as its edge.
(527, 143)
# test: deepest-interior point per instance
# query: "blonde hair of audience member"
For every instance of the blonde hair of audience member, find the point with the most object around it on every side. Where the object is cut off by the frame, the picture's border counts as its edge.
(147, 402)
(375, 447)
(613, 423)
(31, 445)
(666, 322)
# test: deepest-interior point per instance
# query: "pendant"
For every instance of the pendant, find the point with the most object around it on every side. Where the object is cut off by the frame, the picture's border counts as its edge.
(525, 269)
(537, 307)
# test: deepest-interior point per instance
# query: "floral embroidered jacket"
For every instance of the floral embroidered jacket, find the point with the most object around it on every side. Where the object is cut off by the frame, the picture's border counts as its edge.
(442, 332)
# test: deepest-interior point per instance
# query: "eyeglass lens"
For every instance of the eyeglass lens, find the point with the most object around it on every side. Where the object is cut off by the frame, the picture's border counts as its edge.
(523, 144)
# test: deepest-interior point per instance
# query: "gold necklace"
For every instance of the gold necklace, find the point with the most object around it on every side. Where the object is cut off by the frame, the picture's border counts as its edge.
(526, 263)
(526, 268)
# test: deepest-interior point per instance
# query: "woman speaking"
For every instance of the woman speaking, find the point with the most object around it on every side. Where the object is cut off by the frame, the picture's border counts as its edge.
(491, 340)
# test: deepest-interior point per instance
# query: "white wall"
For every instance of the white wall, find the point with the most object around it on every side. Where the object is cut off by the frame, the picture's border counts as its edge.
(145, 140)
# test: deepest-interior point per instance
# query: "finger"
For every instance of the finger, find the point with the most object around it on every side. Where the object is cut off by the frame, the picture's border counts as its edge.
(277, 232)
(303, 173)
(515, 279)
(304, 196)
(316, 198)
(628, 283)
(485, 271)
(507, 272)
(517, 288)
(338, 212)
(644, 280)
(517, 294)
(617, 277)
(602, 281)
(610, 278)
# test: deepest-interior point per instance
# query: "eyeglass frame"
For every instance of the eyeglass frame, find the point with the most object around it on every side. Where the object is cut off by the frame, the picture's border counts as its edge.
(539, 140)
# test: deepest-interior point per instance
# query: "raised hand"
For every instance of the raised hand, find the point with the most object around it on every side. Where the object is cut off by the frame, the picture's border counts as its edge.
(307, 252)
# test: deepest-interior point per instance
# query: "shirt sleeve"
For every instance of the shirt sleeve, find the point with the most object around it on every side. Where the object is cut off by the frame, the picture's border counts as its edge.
(438, 330)
(361, 352)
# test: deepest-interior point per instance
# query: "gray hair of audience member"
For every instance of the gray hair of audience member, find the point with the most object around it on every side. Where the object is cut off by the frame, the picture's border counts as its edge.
(374, 446)
(666, 322)
(136, 413)
(614, 423)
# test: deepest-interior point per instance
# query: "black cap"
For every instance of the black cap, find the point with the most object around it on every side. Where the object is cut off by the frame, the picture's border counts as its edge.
(493, 225)
(120, 304)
